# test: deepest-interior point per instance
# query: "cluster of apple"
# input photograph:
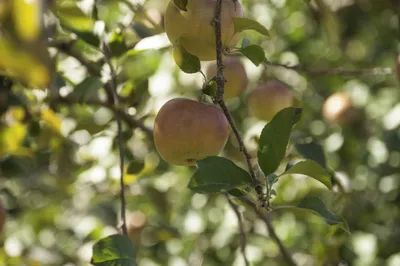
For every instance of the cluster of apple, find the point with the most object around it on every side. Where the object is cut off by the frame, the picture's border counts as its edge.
(186, 130)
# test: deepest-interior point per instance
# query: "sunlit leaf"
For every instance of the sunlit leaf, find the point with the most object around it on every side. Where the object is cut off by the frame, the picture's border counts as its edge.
(254, 53)
(274, 139)
(187, 62)
(11, 138)
(313, 170)
(217, 174)
(51, 119)
(27, 17)
(242, 24)
(72, 16)
(114, 250)
(31, 66)
(139, 65)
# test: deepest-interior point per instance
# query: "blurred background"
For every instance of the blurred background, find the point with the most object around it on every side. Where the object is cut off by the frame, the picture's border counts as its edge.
(59, 173)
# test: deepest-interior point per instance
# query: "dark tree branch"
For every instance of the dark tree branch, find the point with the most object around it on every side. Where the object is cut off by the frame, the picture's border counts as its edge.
(131, 121)
(243, 240)
(67, 47)
(219, 99)
(336, 71)
(284, 252)
(114, 85)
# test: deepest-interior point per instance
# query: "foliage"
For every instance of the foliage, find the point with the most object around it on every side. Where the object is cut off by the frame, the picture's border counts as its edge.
(59, 154)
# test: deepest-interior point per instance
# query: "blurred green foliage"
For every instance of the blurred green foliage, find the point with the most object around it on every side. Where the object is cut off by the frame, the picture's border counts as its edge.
(59, 175)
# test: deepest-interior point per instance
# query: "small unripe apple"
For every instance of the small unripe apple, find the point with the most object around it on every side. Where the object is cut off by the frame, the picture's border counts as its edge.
(267, 100)
(135, 224)
(3, 215)
(186, 131)
(235, 75)
(195, 28)
(338, 108)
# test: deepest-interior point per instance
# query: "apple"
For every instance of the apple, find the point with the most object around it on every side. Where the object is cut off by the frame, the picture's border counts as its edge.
(186, 131)
(135, 223)
(194, 26)
(268, 99)
(338, 108)
(235, 75)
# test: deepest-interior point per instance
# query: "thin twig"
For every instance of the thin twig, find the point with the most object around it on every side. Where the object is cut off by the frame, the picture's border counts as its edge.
(283, 250)
(131, 121)
(219, 99)
(243, 240)
(114, 82)
(336, 71)
(67, 47)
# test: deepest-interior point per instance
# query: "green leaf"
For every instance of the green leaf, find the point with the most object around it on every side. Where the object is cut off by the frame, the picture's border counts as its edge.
(187, 62)
(238, 193)
(242, 24)
(117, 44)
(254, 53)
(135, 167)
(272, 179)
(138, 65)
(87, 89)
(86, 36)
(73, 17)
(274, 139)
(317, 207)
(313, 170)
(181, 4)
(210, 88)
(217, 174)
(114, 250)
(313, 151)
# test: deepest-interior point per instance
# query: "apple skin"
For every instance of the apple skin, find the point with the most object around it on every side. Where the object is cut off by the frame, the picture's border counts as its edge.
(195, 28)
(235, 75)
(135, 225)
(3, 216)
(338, 108)
(186, 131)
(268, 99)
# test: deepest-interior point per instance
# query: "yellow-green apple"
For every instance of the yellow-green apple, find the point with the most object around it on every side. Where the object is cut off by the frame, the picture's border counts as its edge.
(186, 131)
(194, 27)
(235, 75)
(268, 99)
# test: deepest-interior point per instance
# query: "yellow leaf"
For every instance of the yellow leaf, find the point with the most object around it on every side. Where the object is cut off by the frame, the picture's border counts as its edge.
(11, 138)
(23, 65)
(51, 119)
(27, 18)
